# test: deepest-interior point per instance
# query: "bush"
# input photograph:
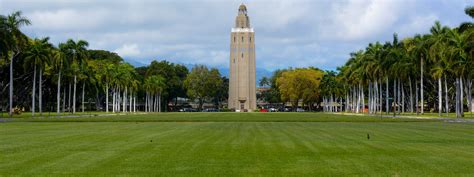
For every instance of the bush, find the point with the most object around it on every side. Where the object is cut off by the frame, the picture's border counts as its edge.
(226, 110)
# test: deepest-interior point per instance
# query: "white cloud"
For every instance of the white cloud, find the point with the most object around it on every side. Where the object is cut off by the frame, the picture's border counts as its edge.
(288, 32)
(128, 50)
(359, 19)
(418, 24)
(67, 19)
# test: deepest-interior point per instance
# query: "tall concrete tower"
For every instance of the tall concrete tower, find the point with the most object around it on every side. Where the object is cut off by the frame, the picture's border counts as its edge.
(242, 86)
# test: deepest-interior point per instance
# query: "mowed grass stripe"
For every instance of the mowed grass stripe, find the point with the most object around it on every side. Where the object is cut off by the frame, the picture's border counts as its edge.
(236, 148)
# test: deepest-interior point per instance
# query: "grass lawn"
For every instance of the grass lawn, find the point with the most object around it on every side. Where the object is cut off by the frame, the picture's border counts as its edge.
(235, 144)
(51, 114)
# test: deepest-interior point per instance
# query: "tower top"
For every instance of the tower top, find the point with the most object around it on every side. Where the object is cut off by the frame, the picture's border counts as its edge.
(242, 20)
(243, 8)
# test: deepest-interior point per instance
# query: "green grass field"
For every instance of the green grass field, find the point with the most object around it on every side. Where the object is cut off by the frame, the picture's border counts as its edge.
(235, 144)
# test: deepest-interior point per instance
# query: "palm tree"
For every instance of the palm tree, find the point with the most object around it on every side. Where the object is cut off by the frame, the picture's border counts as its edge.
(467, 25)
(438, 57)
(108, 80)
(78, 52)
(421, 51)
(16, 43)
(60, 62)
(154, 85)
(457, 44)
(38, 53)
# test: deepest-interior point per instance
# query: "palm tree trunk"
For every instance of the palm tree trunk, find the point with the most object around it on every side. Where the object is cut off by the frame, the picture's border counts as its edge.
(348, 99)
(69, 98)
(403, 96)
(113, 100)
(124, 106)
(421, 87)
(340, 106)
(64, 99)
(461, 98)
(363, 99)
(135, 103)
(440, 97)
(469, 95)
(398, 96)
(358, 99)
(106, 97)
(394, 95)
(156, 103)
(40, 91)
(118, 99)
(83, 87)
(370, 98)
(146, 102)
(58, 96)
(376, 93)
(159, 102)
(457, 97)
(353, 98)
(416, 98)
(33, 93)
(381, 96)
(10, 86)
(387, 109)
(411, 95)
(74, 95)
(375, 96)
(152, 103)
(446, 99)
(130, 101)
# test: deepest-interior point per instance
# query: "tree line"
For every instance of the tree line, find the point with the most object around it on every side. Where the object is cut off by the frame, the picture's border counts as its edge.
(415, 74)
(69, 77)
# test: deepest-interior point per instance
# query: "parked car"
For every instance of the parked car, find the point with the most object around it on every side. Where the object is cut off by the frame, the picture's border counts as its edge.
(263, 110)
(300, 110)
(210, 110)
(187, 110)
(273, 110)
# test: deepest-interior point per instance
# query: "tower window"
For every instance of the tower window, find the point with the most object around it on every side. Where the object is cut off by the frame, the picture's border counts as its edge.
(250, 39)
(242, 55)
(242, 39)
(234, 60)
(234, 39)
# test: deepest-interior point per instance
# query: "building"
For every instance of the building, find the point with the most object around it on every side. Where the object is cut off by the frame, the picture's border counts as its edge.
(242, 84)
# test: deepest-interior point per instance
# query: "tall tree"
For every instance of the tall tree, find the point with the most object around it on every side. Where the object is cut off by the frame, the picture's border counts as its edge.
(17, 41)
(438, 57)
(154, 86)
(201, 83)
(78, 52)
(59, 63)
(38, 54)
(299, 84)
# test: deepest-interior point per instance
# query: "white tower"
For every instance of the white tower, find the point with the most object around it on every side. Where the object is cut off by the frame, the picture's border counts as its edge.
(242, 84)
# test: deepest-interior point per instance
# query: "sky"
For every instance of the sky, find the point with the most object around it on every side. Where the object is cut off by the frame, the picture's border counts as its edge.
(288, 33)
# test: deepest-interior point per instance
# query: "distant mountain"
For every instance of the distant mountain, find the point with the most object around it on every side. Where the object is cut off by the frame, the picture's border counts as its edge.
(260, 72)
(135, 63)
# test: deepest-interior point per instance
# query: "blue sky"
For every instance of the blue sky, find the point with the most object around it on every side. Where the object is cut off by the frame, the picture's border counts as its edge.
(289, 33)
